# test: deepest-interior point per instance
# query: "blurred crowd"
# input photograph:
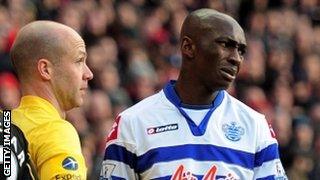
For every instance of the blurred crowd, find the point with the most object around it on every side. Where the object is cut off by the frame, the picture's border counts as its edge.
(133, 50)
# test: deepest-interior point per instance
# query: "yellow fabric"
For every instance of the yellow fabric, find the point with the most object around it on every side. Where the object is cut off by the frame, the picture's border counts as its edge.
(51, 139)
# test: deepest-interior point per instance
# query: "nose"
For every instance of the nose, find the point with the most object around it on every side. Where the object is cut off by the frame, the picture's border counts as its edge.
(234, 57)
(88, 75)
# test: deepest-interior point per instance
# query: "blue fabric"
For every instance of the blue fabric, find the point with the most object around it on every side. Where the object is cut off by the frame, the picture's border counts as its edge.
(267, 154)
(121, 154)
(173, 97)
(267, 178)
(198, 152)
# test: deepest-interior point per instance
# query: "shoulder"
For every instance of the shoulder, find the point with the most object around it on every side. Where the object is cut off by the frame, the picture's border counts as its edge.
(58, 130)
(53, 138)
(260, 131)
(243, 109)
(129, 124)
(41, 128)
(146, 105)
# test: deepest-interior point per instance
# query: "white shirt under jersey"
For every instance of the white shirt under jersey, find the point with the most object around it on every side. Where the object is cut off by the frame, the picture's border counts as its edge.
(154, 140)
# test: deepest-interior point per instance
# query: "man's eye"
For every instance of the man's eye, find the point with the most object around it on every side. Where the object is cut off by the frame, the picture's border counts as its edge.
(79, 61)
(223, 44)
(241, 51)
(227, 44)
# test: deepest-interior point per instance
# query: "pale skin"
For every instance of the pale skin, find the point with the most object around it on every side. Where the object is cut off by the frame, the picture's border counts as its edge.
(59, 73)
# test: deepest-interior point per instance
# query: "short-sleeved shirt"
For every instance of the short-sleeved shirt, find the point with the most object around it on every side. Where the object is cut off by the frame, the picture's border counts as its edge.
(54, 143)
(162, 138)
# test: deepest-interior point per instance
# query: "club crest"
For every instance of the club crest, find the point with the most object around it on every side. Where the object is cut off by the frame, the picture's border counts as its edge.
(232, 131)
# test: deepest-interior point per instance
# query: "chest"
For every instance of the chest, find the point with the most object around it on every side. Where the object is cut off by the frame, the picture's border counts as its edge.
(227, 130)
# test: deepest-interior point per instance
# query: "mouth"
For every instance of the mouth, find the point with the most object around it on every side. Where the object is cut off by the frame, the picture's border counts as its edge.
(228, 73)
(83, 89)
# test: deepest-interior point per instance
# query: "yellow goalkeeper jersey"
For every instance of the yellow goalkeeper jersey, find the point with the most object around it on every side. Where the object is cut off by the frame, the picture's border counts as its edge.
(54, 144)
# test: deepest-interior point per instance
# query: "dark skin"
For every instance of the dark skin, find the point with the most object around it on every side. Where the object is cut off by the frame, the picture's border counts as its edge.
(212, 47)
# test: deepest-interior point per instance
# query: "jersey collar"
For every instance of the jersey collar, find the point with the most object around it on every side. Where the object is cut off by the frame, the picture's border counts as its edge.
(35, 101)
(173, 97)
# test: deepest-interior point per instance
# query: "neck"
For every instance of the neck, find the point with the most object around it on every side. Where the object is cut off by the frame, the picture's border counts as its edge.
(45, 93)
(194, 93)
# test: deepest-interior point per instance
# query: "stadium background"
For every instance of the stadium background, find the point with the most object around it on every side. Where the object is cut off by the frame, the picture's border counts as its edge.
(133, 51)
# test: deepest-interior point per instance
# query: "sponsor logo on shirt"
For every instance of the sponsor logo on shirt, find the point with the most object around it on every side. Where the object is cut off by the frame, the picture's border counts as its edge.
(161, 129)
(114, 131)
(67, 177)
(70, 163)
(182, 174)
(232, 131)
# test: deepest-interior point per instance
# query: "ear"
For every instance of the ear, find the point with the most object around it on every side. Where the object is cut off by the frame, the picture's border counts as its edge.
(187, 47)
(45, 69)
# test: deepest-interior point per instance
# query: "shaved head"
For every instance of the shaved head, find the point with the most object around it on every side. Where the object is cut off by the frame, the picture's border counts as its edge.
(204, 20)
(39, 40)
(212, 46)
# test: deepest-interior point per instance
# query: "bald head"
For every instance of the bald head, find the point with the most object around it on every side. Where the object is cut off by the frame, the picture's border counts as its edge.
(212, 46)
(39, 40)
(204, 20)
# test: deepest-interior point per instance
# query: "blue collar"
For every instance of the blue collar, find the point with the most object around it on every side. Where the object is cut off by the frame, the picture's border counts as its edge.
(173, 97)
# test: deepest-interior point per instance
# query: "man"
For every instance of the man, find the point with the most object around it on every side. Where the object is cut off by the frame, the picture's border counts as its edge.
(193, 129)
(50, 60)
(21, 167)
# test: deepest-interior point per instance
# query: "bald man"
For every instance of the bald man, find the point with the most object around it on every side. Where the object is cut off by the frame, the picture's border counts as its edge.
(50, 60)
(193, 129)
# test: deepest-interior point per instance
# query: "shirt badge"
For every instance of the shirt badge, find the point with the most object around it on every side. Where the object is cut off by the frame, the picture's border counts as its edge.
(232, 131)
(70, 163)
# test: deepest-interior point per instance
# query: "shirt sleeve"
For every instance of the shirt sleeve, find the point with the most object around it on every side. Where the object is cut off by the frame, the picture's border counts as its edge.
(64, 166)
(57, 152)
(267, 161)
(120, 157)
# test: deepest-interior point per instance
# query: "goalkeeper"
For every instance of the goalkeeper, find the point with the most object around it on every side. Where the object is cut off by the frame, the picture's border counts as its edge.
(50, 61)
